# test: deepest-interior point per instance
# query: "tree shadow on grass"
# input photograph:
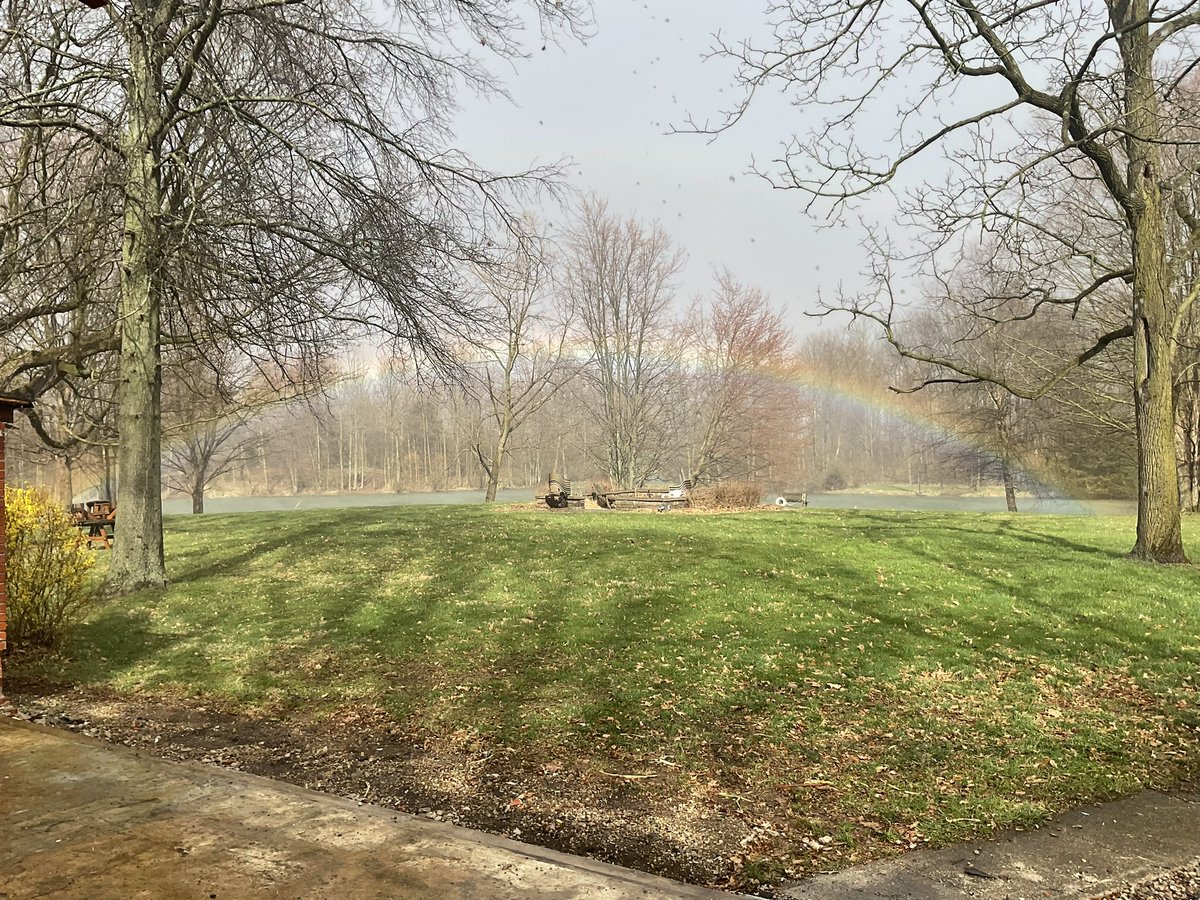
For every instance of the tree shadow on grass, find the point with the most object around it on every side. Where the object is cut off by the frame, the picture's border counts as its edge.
(1047, 612)
(215, 551)
(535, 635)
(593, 617)
(905, 525)
(113, 641)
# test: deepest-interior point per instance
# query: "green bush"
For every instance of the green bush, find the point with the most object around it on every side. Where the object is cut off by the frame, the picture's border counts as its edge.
(48, 565)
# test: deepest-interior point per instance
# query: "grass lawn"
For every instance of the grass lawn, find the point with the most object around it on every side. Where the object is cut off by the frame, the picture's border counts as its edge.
(842, 683)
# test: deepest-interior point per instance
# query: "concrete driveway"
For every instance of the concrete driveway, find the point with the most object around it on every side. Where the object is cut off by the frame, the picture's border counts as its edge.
(79, 818)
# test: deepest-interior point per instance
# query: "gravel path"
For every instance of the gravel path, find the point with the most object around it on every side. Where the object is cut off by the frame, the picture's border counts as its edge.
(1181, 884)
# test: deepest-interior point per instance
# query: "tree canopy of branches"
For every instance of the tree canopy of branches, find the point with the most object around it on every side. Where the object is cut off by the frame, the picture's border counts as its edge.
(276, 175)
(516, 374)
(743, 358)
(1031, 104)
(209, 401)
(619, 281)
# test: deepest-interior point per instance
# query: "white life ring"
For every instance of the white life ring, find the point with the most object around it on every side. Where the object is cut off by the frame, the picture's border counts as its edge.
(781, 501)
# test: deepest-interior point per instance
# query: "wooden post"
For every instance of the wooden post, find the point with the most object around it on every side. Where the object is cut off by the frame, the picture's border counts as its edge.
(7, 406)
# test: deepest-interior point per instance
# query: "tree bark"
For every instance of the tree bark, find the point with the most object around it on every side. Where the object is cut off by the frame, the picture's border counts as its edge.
(108, 473)
(1191, 446)
(137, 560)
(1003, 405)
(1010, 488)
(1159, 532)
(198, 500)
(497, 463)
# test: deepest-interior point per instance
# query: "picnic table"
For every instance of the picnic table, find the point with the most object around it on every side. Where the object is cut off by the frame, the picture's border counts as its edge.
(99, 519)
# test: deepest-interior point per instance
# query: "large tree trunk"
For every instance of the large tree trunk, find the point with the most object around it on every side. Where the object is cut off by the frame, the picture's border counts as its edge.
(197, 499)
(1159, 535)
(137, 560)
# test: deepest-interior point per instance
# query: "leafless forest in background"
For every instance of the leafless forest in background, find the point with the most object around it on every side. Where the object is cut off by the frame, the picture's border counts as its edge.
(597, 368)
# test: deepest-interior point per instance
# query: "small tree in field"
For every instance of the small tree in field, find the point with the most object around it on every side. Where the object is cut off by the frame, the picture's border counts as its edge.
(620, 286)
(208, 402)
(742, 355)
(516, 374)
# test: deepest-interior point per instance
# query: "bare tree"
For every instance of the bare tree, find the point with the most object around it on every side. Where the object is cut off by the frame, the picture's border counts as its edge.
(619, 281)
(742, 361)
(284, 178)
(1001, 426)
(1086, 94)
(515, 376)
(994, 422)
(857, 430)
(1187, 399)
(74, 422)
(197, 457)
(1187, 380)
(57, 325)
(58, 211)
(208, 404)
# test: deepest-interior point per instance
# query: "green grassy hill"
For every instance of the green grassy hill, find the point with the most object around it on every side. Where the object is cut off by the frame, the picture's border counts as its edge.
(878, 678)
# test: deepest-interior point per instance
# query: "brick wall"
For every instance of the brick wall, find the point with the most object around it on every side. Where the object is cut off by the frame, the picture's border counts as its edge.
(4, 561)
(3, 569)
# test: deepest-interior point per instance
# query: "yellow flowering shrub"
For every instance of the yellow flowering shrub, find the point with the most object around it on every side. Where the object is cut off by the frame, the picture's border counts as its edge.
(48, 565)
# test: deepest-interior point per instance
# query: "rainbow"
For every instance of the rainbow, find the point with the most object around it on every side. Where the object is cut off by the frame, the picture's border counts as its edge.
(896, 406)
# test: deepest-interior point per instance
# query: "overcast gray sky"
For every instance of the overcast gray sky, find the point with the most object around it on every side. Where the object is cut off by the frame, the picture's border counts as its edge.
(609, 105)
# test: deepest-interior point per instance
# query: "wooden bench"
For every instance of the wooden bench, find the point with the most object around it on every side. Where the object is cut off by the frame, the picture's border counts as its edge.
(559, 493)
(663, 498)
(792, 499)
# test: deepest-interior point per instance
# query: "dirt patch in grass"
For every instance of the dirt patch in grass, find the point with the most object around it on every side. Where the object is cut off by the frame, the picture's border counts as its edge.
(875, 776)
(360, 754)
(934, 760)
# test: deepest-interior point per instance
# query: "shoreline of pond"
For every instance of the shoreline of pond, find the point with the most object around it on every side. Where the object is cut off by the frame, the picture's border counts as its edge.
(836, 500)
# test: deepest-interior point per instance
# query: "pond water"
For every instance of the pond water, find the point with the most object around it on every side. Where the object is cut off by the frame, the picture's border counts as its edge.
(1053, 506)
(338, 501)
(1057, 506)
